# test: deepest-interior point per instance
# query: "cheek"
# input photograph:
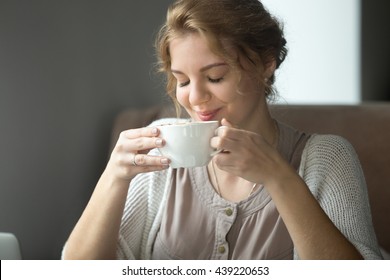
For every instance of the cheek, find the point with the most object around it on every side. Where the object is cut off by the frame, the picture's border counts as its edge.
(250, 84)
(182, 97)
(227, 95)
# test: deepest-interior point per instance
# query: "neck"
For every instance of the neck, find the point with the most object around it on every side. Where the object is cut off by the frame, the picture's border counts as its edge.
(228, 186)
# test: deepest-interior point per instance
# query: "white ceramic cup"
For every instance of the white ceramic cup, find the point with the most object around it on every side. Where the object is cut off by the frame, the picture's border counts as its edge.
(187, 144)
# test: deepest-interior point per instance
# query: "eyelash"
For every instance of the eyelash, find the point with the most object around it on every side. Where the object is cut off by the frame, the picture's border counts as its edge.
(184, 84)
(214, 81)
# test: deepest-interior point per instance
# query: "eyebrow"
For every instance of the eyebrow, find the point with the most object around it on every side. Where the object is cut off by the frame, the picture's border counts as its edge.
(204, 68)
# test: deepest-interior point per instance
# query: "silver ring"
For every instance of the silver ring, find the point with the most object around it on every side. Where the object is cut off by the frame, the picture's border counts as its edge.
(134, 163)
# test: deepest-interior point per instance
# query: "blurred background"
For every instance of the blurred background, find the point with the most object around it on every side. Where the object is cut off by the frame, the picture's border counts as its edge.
(67, 68)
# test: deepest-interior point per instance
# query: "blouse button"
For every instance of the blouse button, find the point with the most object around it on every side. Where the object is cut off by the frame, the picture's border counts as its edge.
(228, 211)
(221, 249)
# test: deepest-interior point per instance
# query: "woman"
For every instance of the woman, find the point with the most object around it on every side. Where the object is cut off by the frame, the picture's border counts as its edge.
(272, 193)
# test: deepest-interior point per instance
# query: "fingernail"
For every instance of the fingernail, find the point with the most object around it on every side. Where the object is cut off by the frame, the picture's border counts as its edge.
(165, 161)
(159, 142)
(154, 130)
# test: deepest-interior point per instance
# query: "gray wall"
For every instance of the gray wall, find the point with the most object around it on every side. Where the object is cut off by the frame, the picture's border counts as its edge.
(66, 69)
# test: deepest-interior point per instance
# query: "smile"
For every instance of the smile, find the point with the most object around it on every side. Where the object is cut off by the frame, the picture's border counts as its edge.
(207, 115)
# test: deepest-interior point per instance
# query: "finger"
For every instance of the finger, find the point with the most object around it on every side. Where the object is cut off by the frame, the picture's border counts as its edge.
(142, 145)
(228, 133)
(146, 160)
(145, 143)
(141, 160)
(224, 144)
(225, 122)
(215, 142)
(153, 168)
(141, 132)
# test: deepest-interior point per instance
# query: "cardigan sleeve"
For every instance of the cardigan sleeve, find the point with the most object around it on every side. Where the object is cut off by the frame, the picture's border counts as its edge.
(331, 169)
(133, 219)
(142, 213)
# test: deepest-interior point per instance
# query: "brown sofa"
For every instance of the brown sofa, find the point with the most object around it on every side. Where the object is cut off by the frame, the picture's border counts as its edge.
(366, 126)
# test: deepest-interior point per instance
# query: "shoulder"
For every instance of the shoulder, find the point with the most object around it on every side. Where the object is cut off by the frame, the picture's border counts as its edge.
(329, 142)
(330, 159)
(329, 148)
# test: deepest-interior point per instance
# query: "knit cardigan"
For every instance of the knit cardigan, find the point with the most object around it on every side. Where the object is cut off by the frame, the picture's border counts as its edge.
(329, 166)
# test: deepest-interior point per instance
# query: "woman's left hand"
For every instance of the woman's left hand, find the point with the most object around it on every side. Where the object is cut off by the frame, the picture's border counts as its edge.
(246, 154)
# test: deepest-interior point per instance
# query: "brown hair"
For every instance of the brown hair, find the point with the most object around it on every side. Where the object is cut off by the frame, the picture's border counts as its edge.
(244, 25)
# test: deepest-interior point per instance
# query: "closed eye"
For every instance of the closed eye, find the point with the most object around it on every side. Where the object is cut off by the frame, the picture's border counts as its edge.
(215, 80)
(184, 84)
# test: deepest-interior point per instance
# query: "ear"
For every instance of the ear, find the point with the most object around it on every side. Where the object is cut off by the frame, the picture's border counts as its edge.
(269, 68)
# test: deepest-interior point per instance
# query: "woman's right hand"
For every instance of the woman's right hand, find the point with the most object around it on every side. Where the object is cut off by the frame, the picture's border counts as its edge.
(129, 156)
(101, 219)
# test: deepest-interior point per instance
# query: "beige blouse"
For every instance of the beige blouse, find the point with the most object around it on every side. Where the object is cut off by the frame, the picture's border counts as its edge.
(199, 224)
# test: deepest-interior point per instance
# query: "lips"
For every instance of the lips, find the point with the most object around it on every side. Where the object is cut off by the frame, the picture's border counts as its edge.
(207, 115)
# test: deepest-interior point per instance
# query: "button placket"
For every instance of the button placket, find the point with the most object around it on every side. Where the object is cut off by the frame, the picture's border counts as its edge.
(226, 219)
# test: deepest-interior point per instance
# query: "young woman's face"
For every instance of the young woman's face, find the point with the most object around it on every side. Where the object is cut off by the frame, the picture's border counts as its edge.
(208, 88)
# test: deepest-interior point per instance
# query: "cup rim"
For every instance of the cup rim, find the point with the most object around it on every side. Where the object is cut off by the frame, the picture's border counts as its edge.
(187, 123)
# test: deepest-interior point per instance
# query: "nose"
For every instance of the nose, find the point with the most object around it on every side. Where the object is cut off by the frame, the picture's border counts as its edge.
(198, 94)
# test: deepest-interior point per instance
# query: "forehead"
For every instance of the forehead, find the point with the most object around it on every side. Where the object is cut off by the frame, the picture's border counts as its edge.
(195, 43)
(191, 47)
